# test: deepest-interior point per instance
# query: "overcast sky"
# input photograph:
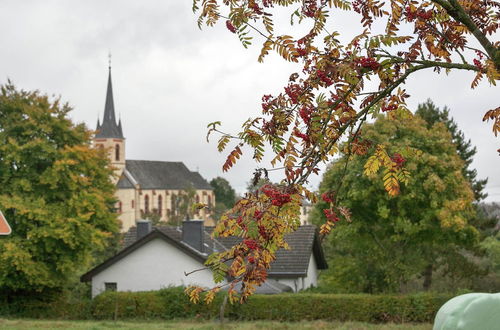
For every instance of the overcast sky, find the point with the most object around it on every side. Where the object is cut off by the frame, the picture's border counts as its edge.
(170, 79)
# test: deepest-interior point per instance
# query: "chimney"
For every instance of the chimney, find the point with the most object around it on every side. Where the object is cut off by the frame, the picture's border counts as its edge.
(192, 234)
(143, 228)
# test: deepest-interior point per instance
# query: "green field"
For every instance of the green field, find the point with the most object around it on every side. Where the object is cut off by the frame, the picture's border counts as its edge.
(97, 325)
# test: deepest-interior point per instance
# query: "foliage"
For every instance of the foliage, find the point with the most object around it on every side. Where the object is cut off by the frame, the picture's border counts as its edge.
(225, 196)
(182, 205)
(169, 304)
(56, 193)
(329, 97)
(432, 115)
(391, 240)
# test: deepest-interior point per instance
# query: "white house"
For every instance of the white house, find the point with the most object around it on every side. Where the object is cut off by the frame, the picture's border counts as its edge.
(155, 258)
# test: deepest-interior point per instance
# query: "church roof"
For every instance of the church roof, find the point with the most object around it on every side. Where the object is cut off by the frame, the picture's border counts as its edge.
(151, 174)
(109, 127)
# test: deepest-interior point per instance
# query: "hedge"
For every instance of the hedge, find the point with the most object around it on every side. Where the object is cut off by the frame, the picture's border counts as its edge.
(172, 303)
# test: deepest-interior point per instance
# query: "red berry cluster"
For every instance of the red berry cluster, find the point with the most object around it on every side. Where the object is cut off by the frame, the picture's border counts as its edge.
(305, 114)
(251, 244)
(293, 91)
(398, 159)
(421, 14)
(263, 233)
(331, 215)
(324, 78)
(368, 62)
(478, 64)
(301, 51)
(277, 198)
(389, 107)
(258, 214)
(267, 102)
(301, 135)
(327, 197)
(310, 8)
(230, 26)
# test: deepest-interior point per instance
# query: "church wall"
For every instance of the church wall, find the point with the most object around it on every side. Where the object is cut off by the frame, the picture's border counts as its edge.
(110, 145)
(127, 215)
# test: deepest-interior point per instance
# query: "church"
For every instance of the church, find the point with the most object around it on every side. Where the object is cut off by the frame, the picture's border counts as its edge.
(147, 187)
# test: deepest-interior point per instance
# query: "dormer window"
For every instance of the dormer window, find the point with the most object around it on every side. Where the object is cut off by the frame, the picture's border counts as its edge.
(117, 152)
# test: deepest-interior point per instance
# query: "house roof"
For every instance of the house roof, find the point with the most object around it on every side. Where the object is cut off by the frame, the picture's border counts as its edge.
(288, 263)
(109, 128)
(151, 174)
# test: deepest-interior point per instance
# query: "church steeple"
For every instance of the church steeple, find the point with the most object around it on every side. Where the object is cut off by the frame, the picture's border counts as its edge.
(109, 128)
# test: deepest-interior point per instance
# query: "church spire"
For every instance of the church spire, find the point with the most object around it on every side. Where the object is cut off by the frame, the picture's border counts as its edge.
(109, 128)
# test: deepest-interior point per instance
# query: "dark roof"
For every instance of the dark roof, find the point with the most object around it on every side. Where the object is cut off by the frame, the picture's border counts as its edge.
(161, 175)
(109, 128)
(270, 286)
(294, 261)
(288, 263)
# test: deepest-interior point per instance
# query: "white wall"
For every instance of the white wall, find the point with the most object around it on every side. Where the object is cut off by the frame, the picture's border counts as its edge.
(312, 273)
(153, 266)
(302, 283)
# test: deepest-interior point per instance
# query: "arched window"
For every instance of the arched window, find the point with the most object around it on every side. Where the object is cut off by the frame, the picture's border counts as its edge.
(160, 204)
(173, 204)
(132, 204)
(117, 152)
(197, 209)
(146, 204)
(119, 207)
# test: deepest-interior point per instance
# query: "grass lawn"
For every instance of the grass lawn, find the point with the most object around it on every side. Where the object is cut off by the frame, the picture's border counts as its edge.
(97, 325)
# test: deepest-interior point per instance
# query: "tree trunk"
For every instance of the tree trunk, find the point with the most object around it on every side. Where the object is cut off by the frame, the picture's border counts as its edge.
(222, 310)
(427, 273)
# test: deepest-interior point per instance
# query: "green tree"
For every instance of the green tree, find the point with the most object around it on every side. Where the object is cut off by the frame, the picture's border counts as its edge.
(225, 196)
(432, 115)
(56, 193)
(392, 239)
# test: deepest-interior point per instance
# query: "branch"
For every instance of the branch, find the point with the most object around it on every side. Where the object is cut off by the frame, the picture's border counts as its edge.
(455, 10)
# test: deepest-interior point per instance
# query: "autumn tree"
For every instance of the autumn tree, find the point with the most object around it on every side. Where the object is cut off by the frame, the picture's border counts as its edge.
(391, 240)
(337, 86)
(432, 115)
(56, 193)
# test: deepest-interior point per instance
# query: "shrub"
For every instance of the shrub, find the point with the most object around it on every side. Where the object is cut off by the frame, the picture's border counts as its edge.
(172, 304)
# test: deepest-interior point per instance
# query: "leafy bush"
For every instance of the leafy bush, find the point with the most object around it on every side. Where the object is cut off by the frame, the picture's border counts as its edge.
(172, 303)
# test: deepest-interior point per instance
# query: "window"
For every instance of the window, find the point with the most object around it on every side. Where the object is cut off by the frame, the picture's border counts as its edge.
(146, 204)
(110, 286)
(160, 204)
(132, 204)
(120, 207)
(209, 201)
(117, 152)
(173, 204)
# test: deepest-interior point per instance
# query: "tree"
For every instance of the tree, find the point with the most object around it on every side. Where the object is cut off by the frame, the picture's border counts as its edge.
(225, 196)
(336, 87)
(432, 115)
(392, 239)
(183, 205)
(56, 193)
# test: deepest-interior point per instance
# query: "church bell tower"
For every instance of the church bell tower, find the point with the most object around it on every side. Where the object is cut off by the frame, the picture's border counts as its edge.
(109, 134)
